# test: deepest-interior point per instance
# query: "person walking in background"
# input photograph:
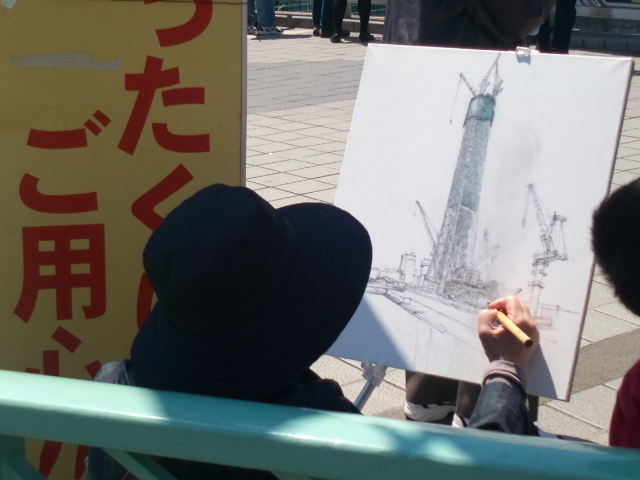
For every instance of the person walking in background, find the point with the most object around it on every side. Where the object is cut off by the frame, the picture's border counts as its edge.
(261, 17)
(565, 17)
(322, 16)
(364, 11)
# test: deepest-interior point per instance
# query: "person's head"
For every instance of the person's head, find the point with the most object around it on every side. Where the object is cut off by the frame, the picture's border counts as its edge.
(616, 242)
(249, 296)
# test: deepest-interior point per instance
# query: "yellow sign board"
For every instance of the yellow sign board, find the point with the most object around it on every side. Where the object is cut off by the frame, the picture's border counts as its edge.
(111, 113)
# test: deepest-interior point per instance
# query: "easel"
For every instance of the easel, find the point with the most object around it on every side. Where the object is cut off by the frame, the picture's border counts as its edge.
(373, 374)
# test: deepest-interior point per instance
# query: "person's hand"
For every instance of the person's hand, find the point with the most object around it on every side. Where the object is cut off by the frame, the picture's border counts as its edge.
(498, 342)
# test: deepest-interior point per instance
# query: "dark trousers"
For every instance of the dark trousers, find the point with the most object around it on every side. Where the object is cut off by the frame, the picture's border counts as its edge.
(423, 389)
(565, 17)
(340, 8)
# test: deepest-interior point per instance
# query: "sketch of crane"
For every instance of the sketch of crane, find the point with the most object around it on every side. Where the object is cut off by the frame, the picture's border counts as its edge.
(553, 247)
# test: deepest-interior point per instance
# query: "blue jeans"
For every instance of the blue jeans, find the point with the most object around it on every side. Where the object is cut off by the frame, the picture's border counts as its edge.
(266, 12)
(322, 14)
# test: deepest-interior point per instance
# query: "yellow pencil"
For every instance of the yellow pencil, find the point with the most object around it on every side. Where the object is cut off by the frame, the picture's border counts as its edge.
(513, 328)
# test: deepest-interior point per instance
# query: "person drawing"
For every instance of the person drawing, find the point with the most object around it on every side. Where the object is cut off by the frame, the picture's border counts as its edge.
(486, 24)
(615, 239)
(249, 297)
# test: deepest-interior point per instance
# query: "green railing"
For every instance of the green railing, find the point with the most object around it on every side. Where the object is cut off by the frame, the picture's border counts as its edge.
(132, 423)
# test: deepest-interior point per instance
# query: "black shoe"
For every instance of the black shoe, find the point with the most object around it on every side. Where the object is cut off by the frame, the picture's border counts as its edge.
(366, 37)
(326, 32)
(316, 32)
(335, 38)
(344, 33)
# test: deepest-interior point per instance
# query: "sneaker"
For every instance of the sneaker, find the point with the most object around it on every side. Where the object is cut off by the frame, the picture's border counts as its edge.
(459, 422)
(263, 30)
(335, 38)
(252, 30)
(428, 413)
(316, 31)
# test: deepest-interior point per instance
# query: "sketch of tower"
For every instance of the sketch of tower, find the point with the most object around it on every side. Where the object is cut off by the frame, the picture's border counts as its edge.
(455, 241)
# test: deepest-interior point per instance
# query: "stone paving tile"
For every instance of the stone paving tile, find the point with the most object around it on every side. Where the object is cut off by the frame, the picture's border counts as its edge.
(255, 141)
(265, 159)
(593, 406)
(309, 142)
(275, 180)
(622, 178)
(331, 147)
(337, 369)
(552, 420)
(601, 294)
(615, 384)
(616, 309)
(300, 153)
(306, 186)
(256, 171)
(315, 171)
(284, 137)
(625, 151)
(271, 194)
(327, 158)
(624, 164)
(325, 196)
(274, 147)
(598, 326)
(287, 165)
(283, 202)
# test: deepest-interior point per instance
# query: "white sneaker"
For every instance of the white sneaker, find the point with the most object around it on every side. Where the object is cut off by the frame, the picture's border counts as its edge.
(262, 30)
(459, 422)
(428, 413)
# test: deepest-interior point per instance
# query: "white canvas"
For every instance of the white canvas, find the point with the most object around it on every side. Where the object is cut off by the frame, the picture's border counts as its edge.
(548, 157)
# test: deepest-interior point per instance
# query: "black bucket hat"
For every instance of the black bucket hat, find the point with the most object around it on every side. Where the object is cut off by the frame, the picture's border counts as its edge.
(248, 296)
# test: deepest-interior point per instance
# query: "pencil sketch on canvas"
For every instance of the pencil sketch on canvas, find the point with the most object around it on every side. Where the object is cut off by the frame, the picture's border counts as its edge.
(456, 226)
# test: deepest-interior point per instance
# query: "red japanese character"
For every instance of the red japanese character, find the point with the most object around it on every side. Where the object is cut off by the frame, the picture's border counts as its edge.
(63, 257)
(32, 198)
(181, 143)
(143, 207)
(62, 139)
(146, 84)
(154, 78)
(169, 37)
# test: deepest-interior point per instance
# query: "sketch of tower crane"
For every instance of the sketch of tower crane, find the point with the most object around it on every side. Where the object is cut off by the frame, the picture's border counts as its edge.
(553, 247)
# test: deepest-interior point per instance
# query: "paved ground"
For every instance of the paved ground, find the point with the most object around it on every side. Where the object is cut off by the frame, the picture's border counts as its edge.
(301, 94)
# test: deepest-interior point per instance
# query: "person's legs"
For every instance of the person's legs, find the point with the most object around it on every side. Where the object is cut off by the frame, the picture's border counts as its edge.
(429, 398)
(339, 9)
(251, 13)
(565, 18)
(316, 13)
(364, 10)
(266, 13)
(544, 37)
(326, 16)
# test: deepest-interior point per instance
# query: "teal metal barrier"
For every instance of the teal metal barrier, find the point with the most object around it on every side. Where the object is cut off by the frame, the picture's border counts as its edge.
(132, 423)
